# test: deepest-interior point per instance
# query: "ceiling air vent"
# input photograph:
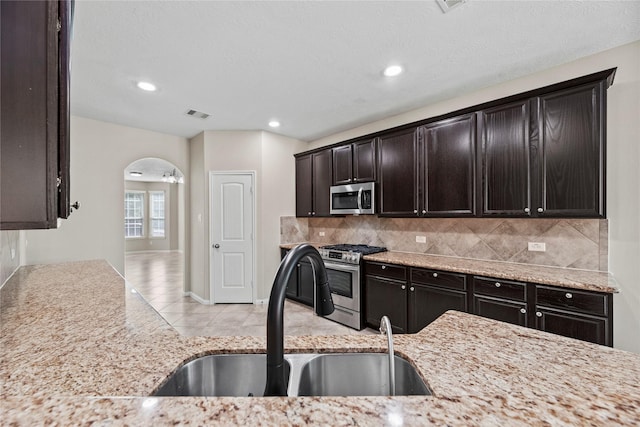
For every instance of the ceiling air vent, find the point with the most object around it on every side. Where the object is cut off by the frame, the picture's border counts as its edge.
(198, 114)
(447, 5)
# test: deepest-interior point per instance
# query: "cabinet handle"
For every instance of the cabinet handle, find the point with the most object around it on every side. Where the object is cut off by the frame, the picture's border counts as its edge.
(403, 287)
(538, 314)
(309, 213)
(527, 210)
(435, 274)
(384, 267)
(540, 210)
(523, 311)
(568, 295)
(498, 284)
(415, 211)
(424, 211)
(313, 213)
(75, 206)
(412, 289)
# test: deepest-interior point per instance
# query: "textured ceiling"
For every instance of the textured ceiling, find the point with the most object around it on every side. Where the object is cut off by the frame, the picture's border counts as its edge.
(316, 66)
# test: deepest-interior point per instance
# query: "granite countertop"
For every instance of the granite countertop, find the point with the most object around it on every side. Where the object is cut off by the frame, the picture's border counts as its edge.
(78, 346)
(589, 280)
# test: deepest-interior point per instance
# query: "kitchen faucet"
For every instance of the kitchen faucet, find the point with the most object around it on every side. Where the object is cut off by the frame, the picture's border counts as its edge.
(276, 384)
(385, 327)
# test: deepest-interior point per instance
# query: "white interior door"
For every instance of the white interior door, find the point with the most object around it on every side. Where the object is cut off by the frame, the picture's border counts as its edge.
(232, 242)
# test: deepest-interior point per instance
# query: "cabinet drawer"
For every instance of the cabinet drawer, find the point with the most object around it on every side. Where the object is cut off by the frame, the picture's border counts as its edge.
(586, 302)
(391, 271)
(439, 278)
(500, 288)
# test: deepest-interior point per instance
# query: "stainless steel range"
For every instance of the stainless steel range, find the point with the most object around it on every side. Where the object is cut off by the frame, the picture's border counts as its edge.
(344, 268)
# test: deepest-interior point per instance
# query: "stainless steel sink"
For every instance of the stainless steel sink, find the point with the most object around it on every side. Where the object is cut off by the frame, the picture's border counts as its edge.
(220, 375)
(331, 374)
(358, 374)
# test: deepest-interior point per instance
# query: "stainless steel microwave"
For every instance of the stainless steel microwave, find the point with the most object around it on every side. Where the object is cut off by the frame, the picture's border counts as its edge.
(353, 199)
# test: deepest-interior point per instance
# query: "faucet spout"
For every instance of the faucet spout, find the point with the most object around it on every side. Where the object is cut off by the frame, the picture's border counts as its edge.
(385, 327)
(276, 385)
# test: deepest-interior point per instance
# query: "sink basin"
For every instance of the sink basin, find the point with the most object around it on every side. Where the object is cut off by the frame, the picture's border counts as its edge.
(332, 374)
(358, 374)
(220, 375)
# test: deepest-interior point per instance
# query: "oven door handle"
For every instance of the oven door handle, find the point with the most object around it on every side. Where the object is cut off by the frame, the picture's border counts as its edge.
(342, 267)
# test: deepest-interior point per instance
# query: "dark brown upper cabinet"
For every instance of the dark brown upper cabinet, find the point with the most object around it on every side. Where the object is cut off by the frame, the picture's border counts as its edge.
(313, 182)
(504, 162)
(569, 148)
(34, 143)
(398, 173)
(355, 162)
(447, 167)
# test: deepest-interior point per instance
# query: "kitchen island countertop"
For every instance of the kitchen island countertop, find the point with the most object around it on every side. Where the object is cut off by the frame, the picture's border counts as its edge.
(79, 345)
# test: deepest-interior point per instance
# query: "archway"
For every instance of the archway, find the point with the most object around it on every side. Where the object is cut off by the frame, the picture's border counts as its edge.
(155, 231)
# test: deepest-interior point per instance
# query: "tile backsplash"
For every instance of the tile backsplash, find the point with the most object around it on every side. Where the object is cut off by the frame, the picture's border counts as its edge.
(574, 243)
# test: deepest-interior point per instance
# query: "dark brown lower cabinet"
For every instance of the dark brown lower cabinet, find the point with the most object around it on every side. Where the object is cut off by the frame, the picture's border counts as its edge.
(415, 297)
(300, 285)
(586, 328)
(501, 309)
(427, 303)
(386, 297)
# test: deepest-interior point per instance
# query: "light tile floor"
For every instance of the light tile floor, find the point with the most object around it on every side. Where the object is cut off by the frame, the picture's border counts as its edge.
(158, 277)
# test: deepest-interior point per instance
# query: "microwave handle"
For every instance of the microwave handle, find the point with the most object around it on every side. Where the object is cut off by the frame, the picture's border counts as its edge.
(360, 199)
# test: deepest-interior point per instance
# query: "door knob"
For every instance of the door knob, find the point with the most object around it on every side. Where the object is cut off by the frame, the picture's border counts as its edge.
(216, 246)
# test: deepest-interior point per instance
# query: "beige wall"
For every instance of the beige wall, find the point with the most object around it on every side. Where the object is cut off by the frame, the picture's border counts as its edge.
(271, 158)
(623, 157)
(10, 253)
(170, 241)
(99, 154)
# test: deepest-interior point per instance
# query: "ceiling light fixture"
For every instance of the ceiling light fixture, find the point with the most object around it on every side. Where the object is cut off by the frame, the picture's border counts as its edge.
(392, 71)
(134, 173)
(172, 177)
(149, 87)
(274, 123)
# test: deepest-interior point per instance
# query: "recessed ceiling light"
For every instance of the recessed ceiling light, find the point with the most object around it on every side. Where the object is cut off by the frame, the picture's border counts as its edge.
(392, 70)
(274, 123)
(133, 173)
(149, 87)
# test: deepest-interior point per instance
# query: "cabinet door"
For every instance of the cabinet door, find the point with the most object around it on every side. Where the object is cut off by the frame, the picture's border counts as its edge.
(427, 303)
(572, 163)
(306, 282)
(364, 161)
(447, 168)
(386, 298)
(322, 177)
(500, 309)
(398, 174)
(31, 75)
(342, 165)
(505, 170)
(304, 192)
(587, 328)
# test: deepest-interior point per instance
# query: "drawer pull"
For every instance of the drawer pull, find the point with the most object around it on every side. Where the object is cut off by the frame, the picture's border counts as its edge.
(523, 311)
(435, 274)
(568, 295)
(403, 287)
(538, 314)
(412, 289)
(384, 267)
(498, 284)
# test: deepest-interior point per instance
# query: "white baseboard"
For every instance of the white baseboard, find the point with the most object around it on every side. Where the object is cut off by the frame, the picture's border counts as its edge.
(197, 298)
(262, 301)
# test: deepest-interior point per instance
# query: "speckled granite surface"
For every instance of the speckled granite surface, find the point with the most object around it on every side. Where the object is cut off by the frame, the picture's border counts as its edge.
(78, 347)
(564, 277)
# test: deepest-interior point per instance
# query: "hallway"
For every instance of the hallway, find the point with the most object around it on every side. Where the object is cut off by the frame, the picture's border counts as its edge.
(158, 277)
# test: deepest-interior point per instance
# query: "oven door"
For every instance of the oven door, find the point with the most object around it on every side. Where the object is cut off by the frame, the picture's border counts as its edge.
(344, 282)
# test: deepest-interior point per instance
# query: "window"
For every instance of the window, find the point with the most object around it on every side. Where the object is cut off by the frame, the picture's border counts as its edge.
(133, 214)
(156, 204)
